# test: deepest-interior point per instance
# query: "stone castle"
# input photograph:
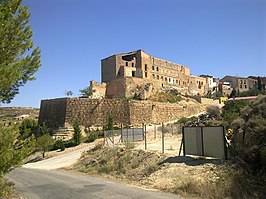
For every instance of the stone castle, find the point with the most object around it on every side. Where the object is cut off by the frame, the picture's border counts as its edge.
(123, 76)
(126, 74)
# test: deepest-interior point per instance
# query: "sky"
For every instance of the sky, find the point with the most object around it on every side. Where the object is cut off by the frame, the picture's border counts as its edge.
(215, 37)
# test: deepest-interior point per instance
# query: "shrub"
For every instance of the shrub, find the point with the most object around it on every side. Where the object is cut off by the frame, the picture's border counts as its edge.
(77, 132)
(5, 188)
(213, 110)
(129, 145)
(232, 109)
(104, 169)
(151, 169)
(69, 143)
(110, 123)
(186, 185)
(59, 144)
(92, 137)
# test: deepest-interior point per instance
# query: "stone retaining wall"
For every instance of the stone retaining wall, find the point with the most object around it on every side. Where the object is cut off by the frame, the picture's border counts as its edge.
(94, 112)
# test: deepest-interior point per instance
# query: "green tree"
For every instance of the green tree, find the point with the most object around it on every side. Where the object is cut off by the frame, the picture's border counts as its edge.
(28, 127)
(13, 149)
(259, 84)
(44, 143)
(77, 132)
(110, 123)
(86, 92)
(43, 129)
(18, 60)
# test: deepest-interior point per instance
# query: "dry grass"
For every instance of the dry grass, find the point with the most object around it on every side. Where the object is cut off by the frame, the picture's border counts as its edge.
(5, 188)
(165, 97)
(143, 168)
(120, 162)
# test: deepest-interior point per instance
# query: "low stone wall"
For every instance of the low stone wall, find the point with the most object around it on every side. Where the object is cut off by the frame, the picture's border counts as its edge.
(156, 112)
(94, 112)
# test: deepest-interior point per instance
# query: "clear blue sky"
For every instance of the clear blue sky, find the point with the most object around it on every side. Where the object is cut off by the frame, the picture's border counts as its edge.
(217, 37)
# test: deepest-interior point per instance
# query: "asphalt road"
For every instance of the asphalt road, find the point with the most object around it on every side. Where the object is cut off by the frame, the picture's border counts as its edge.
(54, 184)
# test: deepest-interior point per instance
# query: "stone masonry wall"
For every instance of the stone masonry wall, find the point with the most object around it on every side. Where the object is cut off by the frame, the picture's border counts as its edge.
(94, 112)
(157, 112)
(53, 112)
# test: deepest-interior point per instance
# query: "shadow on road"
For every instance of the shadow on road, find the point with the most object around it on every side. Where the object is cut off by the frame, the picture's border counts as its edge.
(191, 161)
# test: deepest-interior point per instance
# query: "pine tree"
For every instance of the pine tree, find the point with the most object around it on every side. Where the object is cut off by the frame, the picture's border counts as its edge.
(259, 84)
(18, 60)
(77, 132)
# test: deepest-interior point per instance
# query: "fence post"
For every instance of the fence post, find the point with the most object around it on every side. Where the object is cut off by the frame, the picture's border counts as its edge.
(225, 147)
(121, 136)
(155, 131)
(104, 137)
(127, 135)
(172, 129)
(133, 134)
(145, 136)
(113, 137)
(162, 137)
(183, 140)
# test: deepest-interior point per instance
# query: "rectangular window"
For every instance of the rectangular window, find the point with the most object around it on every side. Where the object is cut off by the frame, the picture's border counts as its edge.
(153, 76)
(146, 75)
(152, 68)
(132, 64)
(157, 68)
(133, 73)
(126, 63)
(158, 77)
(146, 67)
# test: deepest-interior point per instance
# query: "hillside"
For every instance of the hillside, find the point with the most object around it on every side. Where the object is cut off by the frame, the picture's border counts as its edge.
(10, 113)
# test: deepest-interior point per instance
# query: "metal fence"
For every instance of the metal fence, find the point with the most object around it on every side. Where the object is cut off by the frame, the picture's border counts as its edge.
(131, 135)
(164, 138)
(205, 141)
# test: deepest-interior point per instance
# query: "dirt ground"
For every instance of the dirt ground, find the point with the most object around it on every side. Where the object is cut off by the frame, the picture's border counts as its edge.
(150, 168)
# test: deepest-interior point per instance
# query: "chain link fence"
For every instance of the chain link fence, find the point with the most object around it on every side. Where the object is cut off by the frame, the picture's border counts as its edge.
(163, 138)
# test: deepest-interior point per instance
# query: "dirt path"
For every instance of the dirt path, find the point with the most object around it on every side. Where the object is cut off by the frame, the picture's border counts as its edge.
(65, 159)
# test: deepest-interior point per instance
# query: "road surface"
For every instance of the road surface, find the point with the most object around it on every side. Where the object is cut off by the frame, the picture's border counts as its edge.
(54, 184)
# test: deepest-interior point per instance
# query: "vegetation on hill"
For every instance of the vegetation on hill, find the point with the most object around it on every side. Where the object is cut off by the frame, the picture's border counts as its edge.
(166, 97)
(8, 114)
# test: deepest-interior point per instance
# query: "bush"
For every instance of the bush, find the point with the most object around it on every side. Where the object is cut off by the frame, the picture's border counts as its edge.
(151, 169)
(92, 137)
(59, 144)
(213, 110)
(5, 188)
(69, 143)
(184, 120)
(232, 109)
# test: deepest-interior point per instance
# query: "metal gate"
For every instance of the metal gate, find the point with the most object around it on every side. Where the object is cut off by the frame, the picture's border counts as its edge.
(205, 141)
